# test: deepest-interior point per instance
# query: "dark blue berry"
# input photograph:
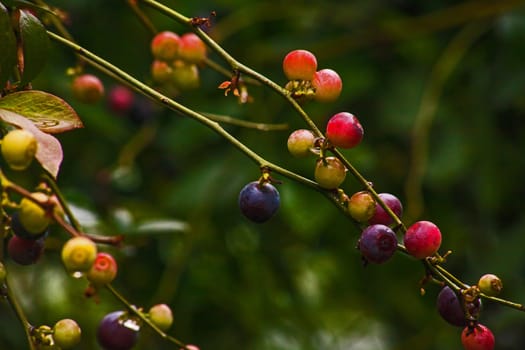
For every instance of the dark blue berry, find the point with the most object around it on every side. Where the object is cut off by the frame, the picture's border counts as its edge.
(377, 243)
(258, 202)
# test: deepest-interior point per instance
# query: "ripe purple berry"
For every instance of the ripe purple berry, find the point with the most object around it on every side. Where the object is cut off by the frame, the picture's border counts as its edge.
(380, 215)
(328, 85)
(422, 239)
(344, 130)
(450, 307)
(25, 251)
(259, 202)
(117, 332)
(377, 243)
(329, 172)
(299, 65)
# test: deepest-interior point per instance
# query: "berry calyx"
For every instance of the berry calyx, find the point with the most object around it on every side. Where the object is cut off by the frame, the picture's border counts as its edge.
(25, 251)
(79, 254)
(259, 201)
(116, 331)
(66, 333)
(32, 216)
(192, 49)
(380, 215)
(490, 284)
(344, 130)
(161, 315)
(361, 206)
(103, 270)
(165, 46)
(300, 142)
(327, 84)
(478, 337)
(329, 172)
(18, 148)
(422, 239)
(377, 243)
(450, 307)
(299, 65)
(88, 88)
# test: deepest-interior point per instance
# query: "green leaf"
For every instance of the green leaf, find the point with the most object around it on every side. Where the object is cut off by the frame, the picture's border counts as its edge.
(7, 46)
(35, 44)
(48, 112)
(49, 151)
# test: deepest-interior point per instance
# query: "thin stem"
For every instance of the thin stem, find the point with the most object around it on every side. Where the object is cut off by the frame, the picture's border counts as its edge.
(13, 301)
(50, 181)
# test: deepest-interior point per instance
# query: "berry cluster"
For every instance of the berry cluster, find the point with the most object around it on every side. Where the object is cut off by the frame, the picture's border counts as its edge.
(176, 60)
(300, 68)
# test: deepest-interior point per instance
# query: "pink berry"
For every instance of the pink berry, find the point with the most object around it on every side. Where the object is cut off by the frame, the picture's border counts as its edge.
(120, 99)
(103, 270)
(422, 239)
(165, 46)
(344, 130)
(300, 142)
(478, 337)
(328, 85)
(192, 49)
(299, 65)
(380, 215)
(88, 88)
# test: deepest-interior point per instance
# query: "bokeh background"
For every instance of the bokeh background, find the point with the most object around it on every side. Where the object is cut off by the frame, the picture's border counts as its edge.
(439, 89)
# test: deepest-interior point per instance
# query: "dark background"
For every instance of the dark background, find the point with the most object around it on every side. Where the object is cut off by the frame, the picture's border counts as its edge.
(452, 71)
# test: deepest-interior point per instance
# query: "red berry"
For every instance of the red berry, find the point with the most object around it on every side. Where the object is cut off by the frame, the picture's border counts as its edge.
(299, 65)
(377, 243)
(478, 337)
(25, 251)
(344, 130)
(103, 270)
(422, 239)
(120, 99)
(165, 46)
(328, 85)
(192, 49)
(88, 88)
(329, 173)
(300, 142)
(380, 215)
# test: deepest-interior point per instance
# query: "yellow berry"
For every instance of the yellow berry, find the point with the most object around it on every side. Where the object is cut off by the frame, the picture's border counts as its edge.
(19, 148)
(79, 254)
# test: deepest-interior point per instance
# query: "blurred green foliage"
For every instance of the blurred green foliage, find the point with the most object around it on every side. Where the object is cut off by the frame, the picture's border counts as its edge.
(296, 282)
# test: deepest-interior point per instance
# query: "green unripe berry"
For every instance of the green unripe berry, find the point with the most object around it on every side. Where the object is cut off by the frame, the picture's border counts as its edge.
(19, 148)
(300, 142)
(185, 75)
(490, 284)
(103, 270)
(329, 173)
(79, 254)
(161, 71)
(361, 206)
(161, 315)
(32, 216)
(66, 333)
